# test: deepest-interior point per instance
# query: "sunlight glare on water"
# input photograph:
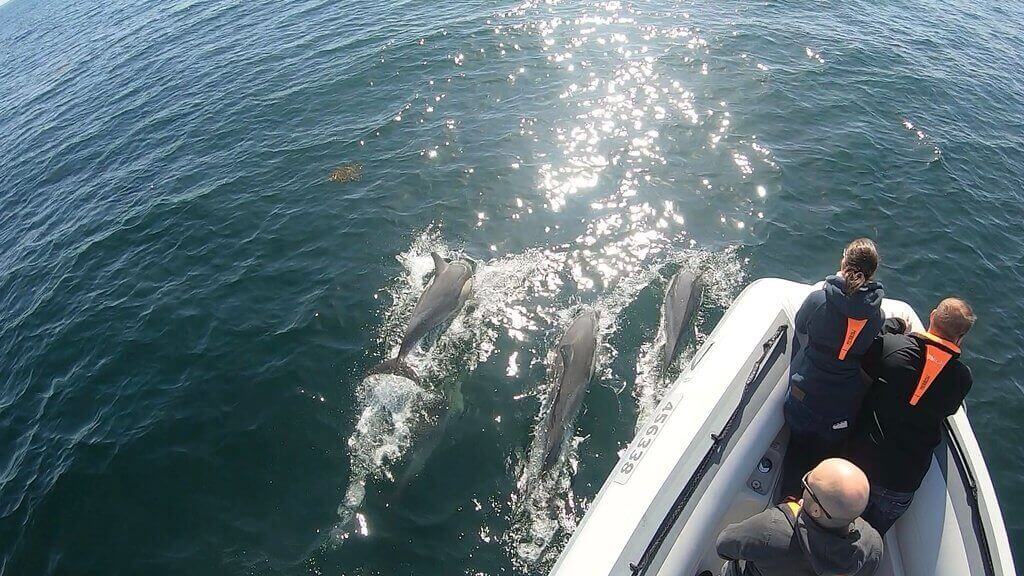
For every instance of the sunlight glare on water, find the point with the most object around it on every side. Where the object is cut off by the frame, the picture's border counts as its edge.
(219, 218)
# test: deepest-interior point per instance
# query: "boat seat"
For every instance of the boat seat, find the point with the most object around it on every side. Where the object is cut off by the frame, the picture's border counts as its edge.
(892, 564)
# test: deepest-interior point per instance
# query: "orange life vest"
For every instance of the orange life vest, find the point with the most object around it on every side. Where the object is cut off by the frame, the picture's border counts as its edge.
(937, 353)
(853, 328)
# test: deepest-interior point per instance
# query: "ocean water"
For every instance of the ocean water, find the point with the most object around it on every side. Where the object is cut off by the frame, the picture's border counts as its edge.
(215, 217)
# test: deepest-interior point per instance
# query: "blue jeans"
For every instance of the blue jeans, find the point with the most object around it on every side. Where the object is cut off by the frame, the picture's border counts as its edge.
(885, 507)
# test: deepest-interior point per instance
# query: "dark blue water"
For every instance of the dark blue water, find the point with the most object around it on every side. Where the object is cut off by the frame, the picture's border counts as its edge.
(188, 303)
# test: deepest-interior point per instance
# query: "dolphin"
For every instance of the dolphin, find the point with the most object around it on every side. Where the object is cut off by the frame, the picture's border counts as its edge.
(574, 367)
(681, 300)
(442, 299)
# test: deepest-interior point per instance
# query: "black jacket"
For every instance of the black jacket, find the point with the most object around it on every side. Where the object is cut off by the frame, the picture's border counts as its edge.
(831, 387)
(894, 442)
(767, 545)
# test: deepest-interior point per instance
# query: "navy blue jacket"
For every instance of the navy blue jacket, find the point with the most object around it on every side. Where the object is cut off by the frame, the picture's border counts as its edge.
(831, 388)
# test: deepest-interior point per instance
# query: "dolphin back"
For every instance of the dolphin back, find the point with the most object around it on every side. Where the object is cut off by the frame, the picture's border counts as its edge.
(577, 357)
(447, 291)
(681, 301)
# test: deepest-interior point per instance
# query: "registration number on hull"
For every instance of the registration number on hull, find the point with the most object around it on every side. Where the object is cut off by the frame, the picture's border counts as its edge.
(645, 438)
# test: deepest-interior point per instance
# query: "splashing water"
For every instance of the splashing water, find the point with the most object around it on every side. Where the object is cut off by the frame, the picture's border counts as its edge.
(544, 510)
(394, 409)
(522, 296)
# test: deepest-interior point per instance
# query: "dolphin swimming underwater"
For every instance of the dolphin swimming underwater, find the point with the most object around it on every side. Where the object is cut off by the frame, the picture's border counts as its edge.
(681, 301)
(574, 367)
(442, 299)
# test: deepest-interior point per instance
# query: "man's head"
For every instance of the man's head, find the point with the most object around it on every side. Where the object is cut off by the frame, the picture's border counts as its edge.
(951, 319)
(835, 493)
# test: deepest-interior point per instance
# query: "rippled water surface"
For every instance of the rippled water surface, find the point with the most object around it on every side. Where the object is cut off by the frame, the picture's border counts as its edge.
(215, 218)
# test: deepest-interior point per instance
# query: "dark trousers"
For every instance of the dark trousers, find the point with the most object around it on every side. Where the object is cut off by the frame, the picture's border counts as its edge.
(811, 440)
(805, 451)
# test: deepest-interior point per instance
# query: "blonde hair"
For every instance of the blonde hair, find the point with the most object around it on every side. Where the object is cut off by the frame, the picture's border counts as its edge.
(953, 318)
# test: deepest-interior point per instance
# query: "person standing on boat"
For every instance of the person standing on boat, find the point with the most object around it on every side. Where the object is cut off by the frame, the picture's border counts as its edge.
(835, 326)
(820, 535)
(919, 381)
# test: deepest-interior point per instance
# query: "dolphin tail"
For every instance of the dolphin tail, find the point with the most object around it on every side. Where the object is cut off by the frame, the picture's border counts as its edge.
(347, 523)
(398, 367)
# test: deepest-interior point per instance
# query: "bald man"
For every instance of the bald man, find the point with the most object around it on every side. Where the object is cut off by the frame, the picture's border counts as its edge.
(919, 380)
(820, 535)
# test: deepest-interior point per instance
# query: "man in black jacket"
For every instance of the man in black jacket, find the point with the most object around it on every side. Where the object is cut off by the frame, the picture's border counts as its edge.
(919, 380)
(820, 535)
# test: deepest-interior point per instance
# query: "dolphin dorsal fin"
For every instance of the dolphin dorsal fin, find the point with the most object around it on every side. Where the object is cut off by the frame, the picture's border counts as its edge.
(439, 263)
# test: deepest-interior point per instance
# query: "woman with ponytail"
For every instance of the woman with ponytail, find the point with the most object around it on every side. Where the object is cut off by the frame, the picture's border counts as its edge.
(834, 327)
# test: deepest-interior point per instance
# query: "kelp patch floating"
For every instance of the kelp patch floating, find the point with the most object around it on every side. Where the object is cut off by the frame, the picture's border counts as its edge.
(346, 173)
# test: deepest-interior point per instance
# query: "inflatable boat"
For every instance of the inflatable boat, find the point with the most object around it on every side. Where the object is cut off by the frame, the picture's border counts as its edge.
(711, 454)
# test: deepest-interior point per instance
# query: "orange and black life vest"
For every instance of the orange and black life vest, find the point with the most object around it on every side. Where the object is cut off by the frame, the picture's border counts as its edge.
(937, 353)
(853, 329)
